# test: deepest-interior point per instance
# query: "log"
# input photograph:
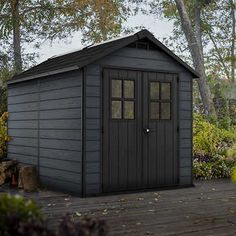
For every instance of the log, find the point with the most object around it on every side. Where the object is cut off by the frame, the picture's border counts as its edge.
(7, 168)
(28, 178)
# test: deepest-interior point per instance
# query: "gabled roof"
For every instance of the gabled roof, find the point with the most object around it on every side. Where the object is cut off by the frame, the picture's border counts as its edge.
(87, 55)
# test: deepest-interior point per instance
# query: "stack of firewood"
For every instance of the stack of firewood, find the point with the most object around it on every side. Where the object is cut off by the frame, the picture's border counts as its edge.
(18, 175)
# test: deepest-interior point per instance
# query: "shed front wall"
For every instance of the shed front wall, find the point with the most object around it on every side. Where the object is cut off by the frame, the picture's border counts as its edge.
(133, 59)
(45, 127)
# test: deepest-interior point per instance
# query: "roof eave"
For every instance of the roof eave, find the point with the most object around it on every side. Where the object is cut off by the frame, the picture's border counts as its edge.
(54, 72)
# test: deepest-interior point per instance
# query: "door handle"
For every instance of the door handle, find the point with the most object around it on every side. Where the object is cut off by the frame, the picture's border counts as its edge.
(146, 130)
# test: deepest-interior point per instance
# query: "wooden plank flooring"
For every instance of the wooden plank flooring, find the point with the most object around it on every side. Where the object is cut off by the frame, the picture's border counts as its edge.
(209, 208)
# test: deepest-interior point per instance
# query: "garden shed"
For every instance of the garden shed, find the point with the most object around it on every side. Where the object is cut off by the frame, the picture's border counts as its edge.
(112, 117)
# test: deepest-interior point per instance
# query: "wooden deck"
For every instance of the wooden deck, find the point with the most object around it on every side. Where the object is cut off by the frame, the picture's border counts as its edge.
(207, 209)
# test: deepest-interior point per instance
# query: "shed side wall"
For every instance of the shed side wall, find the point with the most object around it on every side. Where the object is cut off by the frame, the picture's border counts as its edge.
(45, 126)
(139, 59)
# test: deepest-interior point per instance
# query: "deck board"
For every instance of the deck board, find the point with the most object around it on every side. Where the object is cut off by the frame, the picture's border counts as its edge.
(209, 208)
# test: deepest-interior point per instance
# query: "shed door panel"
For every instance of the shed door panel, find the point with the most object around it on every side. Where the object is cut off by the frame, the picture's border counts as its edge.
(139, 130)
(122, 161)
(160, 129)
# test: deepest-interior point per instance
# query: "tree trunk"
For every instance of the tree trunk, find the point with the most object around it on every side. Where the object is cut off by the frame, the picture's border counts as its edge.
(16, 35)
(197, 57)
(198, 27)
(233, 41)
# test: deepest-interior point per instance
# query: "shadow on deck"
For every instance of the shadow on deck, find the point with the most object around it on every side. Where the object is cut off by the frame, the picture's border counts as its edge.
(209, 208)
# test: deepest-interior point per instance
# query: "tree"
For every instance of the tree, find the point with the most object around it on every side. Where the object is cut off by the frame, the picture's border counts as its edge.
(31, 21)
(194, 40)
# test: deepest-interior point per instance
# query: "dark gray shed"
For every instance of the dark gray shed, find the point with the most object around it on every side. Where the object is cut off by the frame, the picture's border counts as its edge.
(111, 117)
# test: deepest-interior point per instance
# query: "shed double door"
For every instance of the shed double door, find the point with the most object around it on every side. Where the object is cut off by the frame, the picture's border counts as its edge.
(139, 130)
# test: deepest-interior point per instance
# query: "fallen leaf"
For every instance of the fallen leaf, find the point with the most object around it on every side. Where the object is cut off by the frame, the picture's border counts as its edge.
(78, 214)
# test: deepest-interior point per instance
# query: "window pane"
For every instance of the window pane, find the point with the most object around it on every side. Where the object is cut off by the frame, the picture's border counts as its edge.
(165, 111)
(116, 109)
(128, 89)
(154, 90)
(116, 88)
(128, 110)
(154, 110)
(165, 90)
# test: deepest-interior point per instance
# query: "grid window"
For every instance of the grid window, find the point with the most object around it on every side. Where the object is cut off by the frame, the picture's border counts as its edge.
(122, 99)
(159, 101)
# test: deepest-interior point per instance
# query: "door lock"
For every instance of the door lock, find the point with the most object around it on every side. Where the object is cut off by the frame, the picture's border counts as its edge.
(146, 130)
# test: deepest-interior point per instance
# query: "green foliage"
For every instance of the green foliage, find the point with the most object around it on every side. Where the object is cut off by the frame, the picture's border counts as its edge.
(21, 217)
(231, 153)
(15, 210)
(218, 168)
(214, 149)
(209, 140)
(4, 138)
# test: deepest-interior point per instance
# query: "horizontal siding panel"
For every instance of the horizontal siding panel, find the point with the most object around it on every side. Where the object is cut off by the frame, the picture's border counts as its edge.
(93, 102)
(93, 167)
(185, 133)
(185, 152)
(93, 156)
(61, 165)
(29, 151)
(33, 106)
(29, 115)
(185, 115)
(74, 113)
(92, 91)
(93, 135)
(186, 162)
(23, 98)
(60, 93)
(23, 124)
(93, 69)
(60, 174)
(93, 113)
(25, 159)
(60, 81)
(32, 142)
(185, 143)
(185, 124)
(61, 103)
(92, 124)
(25, 133)
(93, 80)
(143, 54)
(185, 86)
(140, 63)
(185, 96)
(61, 134)
(67, 155)
(185, 106)
(61, 185)
(185, 171)
(92, 189)
(23, 88)
(92, 178)
(60, 124)
(92, 146)
(73, 145)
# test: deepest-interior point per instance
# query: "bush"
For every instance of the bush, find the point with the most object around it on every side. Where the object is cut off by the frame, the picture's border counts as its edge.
(214, 169)
(4, 138)
(15, 212)
(21, 217)
(209, 140)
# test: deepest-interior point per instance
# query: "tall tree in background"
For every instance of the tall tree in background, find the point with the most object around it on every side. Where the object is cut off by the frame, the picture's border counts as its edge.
(205, 28)
(34, 21)
(194, 40)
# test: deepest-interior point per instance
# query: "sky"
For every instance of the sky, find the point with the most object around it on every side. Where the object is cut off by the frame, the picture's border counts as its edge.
(160, 28)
